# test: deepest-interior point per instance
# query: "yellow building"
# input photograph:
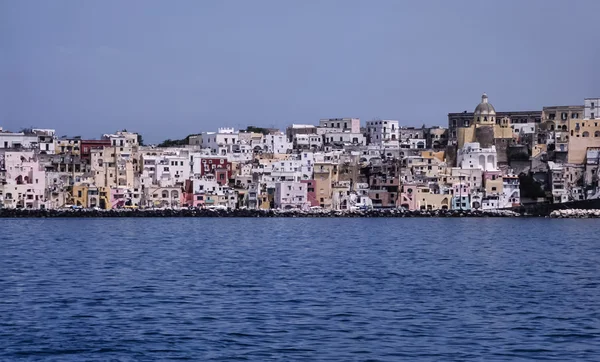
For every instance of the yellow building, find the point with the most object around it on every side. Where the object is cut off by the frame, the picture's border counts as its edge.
(538, 148)
(111, 168)
(104, 198)
(325, 175)
(72, 145)
(494, 184)
(583, 134)
(425, 200)
(263, 201)
(80, 195)
(438, 155)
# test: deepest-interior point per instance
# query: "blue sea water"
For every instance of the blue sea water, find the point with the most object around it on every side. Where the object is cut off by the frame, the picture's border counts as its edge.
(299, 289)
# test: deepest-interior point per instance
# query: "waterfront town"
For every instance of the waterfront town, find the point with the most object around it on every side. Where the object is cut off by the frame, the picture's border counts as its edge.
(480, 160)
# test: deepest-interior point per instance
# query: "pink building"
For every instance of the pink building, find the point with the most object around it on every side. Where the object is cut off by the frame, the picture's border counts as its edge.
(407, 197)
(310, 192)
(25, 181)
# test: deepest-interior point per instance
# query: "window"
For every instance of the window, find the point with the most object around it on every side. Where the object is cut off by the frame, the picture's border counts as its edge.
(592, 116)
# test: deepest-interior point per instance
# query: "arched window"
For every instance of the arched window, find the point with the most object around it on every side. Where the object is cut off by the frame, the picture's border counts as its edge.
(597, 134)
(564, 127)
(165, 194)
(485, 119)
(478, 120)
(174, 194)
(551, 127)
(585, 134)
(490, 161)
(482, 162)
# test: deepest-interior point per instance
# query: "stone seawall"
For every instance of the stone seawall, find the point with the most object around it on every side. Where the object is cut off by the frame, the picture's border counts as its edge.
(576, 214)
(16, 213)
(542, 209)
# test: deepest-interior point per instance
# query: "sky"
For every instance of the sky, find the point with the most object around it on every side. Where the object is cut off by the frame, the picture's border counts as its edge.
(166, 68)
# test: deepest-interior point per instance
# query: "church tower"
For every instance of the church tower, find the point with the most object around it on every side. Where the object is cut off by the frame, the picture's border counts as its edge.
(484, 114)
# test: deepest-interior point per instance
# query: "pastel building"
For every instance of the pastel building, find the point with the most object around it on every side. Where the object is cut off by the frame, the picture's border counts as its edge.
(291, 195)
(24, 181)
(460, 197)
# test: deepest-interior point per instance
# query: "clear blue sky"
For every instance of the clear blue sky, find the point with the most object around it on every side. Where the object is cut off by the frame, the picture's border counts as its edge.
(170, 68)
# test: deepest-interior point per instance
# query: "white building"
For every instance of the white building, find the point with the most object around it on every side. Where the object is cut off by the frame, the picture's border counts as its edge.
(277, 143)
(291, 195)
(491, 202)
(473, 156)
(240, 153)
(45, 140)
(523, 128)
(591, 108)
(220, 142)
(511, 193)
(382, 131)
(122, 139)
(171, 170)
(291, 170)
(557, 183)
(351, 125)
(253, 139)
(308, 141)
(414, 143)
(18, 140)
(344, 138)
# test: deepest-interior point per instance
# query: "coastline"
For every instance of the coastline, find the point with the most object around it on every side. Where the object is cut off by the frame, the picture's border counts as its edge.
(248, 213)
(274, 213)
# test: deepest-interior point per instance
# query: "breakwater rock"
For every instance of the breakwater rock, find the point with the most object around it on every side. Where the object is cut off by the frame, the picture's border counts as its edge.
(575, 214)
(19, 213)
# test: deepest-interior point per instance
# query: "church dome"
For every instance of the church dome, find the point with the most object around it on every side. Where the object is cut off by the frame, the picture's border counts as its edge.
(484, 108)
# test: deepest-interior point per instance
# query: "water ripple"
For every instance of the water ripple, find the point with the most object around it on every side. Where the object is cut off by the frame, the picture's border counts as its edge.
(299, 289)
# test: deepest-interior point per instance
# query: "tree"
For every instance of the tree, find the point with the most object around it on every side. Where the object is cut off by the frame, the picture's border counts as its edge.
(140, 139)
(529, 187)
(255, 129)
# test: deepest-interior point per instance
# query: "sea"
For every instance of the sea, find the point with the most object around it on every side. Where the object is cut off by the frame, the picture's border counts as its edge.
(295, 289)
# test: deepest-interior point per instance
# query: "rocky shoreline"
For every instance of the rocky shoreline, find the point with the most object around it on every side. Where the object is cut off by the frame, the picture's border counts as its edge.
(84, 213)
(576, 214)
